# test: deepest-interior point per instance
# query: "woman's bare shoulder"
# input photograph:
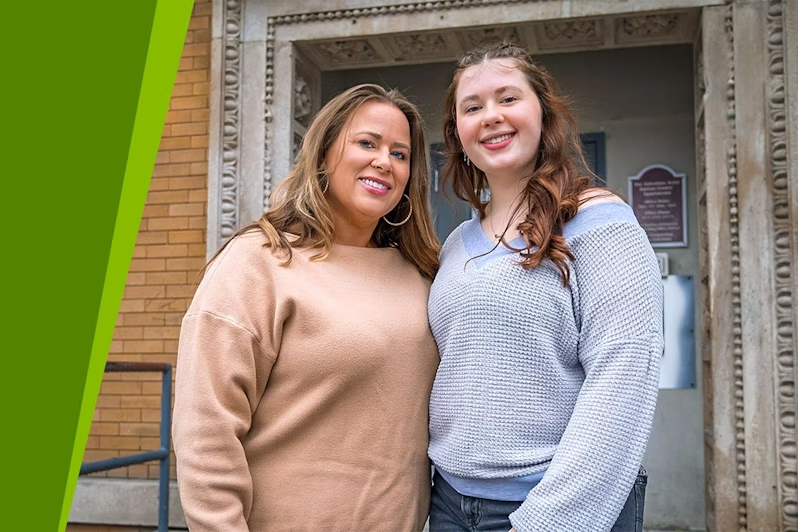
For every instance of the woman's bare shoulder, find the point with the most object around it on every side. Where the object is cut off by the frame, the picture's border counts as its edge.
(593, 196)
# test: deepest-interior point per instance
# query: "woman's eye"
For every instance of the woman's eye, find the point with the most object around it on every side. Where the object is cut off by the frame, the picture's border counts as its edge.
(472, 108)
(399, 155)
(509, 99)
(366, 143)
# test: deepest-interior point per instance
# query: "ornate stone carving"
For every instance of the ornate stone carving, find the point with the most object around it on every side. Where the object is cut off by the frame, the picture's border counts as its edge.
(475, 38)
(571, 30)
(734, 239)
(350, 51)
(231, 90)
(438, 5)
(420, 45)
(296, 145)
(642, 26)
(784, 268)
(303, 101)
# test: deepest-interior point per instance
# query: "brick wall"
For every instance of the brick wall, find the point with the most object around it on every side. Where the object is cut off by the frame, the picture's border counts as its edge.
(169, 252)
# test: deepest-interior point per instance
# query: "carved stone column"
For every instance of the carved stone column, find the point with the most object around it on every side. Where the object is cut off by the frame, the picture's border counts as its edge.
(748, 267)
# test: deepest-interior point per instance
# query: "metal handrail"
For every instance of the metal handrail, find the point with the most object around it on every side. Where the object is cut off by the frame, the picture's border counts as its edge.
(162, 454)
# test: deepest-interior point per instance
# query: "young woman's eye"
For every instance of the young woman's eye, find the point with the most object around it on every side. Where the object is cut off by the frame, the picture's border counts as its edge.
(472, 108)
(364, 143)
(509, 99)
(399, 155)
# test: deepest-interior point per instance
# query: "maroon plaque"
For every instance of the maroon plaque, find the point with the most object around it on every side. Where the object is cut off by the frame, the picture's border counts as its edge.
(658, 197)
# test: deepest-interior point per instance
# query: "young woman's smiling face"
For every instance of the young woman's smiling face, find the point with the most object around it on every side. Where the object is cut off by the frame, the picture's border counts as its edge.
(368, 166)
(499, 119)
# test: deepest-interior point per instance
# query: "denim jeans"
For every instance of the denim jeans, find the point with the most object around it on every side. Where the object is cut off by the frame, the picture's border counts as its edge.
(452, 512)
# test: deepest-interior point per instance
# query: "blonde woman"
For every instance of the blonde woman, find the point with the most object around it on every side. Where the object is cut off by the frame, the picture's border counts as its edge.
(305, 359)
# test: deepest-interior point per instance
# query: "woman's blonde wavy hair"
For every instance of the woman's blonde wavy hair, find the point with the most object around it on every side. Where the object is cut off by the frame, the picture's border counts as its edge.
(300, 208)
(560, 176)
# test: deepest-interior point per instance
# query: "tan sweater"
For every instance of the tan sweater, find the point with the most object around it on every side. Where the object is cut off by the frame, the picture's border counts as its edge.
(302, 393)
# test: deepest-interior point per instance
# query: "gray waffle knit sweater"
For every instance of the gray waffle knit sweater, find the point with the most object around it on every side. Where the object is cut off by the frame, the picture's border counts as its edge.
(537, 377)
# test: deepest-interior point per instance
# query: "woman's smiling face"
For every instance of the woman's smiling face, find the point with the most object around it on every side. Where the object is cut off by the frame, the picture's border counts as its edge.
(499, 119)
(368, 166)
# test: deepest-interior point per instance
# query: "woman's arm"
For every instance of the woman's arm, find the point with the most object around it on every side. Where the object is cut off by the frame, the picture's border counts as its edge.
(224, 361)
(618, 303)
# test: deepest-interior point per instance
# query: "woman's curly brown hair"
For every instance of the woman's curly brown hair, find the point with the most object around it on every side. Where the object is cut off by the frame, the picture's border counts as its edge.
(552, 194)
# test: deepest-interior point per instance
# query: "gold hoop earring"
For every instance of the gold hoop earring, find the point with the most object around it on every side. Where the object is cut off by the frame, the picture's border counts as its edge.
(387, 221)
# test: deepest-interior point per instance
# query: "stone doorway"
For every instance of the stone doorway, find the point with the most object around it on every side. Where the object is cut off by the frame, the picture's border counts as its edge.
(268, 61)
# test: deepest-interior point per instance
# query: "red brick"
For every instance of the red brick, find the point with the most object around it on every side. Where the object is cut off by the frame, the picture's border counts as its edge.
(122, 443)
(182, 89)
(200, 115)
(167, 197)
(192, 263)
(121, 414)
(135, 279)
(197, 222)
(145, 402)
(166, 305)
(155, 211)
(170, 222)
(186, 63)
(195, 236)
(188, 156)
(139, 429)
(189, 102)
(197, 250)
(193, 50)
(144, 319)
(171, 170)
(166, 278)
(200, 168)
(203, 88)
(191, 128)
(188, 183)
(171, 333)
(199, 141)
(187, 209)
(191, 76)
(178, 116)
(108, 401)
(128, 333)
(147, 265)
(120, 388)
(144, 292)
(131, 305)
(173, 318)
(152, 237)
(202, 61)
(175, 143)
(202, 35)
(199, 23)
(168, 250)
(202, 9)
(144, 346)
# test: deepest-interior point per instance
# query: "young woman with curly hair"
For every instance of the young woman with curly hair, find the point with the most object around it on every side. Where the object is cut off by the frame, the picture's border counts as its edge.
(547, 311)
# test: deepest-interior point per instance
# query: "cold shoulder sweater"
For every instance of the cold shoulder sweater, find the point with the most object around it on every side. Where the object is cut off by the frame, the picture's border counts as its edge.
(302, 393)
(536, 376)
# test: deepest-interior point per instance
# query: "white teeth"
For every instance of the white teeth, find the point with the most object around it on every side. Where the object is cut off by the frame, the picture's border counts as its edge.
(375, 184)
(496, 140)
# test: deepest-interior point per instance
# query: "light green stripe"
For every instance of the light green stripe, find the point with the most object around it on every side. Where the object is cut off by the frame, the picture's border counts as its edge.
(163, 57)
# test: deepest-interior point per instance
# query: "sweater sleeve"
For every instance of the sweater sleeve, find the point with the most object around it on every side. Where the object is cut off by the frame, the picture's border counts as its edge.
(617, 296)
(222, 369)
